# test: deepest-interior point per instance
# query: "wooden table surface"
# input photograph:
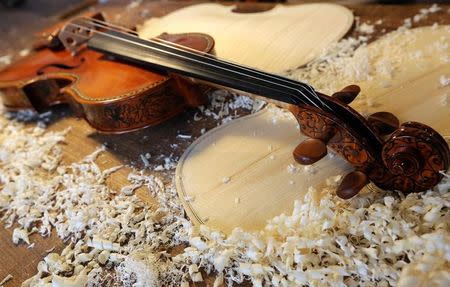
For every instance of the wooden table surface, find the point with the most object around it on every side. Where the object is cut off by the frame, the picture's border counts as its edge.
(20, 261)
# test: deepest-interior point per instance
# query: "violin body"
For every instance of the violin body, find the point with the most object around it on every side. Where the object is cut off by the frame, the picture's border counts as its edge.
(111, 95)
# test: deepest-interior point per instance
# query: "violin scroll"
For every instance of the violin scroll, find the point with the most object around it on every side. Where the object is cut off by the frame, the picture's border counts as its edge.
(415, 155)
(410, 159)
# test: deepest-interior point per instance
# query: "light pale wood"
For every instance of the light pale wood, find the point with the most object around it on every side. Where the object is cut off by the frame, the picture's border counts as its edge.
(413, 92)
(254, 153)
(285, 37)
(259, 187)
(20, 261)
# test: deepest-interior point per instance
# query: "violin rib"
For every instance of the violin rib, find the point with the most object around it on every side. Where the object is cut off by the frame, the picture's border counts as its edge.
(111, 95)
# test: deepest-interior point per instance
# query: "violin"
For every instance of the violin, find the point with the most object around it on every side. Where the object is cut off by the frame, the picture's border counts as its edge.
(408, 157)
(111, 95)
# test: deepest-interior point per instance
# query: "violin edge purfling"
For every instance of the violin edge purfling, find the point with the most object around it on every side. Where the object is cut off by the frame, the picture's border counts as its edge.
(407, 157)
(53, 75)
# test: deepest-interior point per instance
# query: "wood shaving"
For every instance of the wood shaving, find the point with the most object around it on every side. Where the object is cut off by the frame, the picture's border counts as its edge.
(20, 235)
(145, 160)
(366, 28)
(222, 103)
(6, 280)
(444, 80)
(184, 136)
(376, 239)
(5, 60)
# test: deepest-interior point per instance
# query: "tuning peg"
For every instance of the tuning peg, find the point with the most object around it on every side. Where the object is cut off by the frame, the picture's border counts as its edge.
(347, 94)
(310, 151)
(352, 184)
(383, 122)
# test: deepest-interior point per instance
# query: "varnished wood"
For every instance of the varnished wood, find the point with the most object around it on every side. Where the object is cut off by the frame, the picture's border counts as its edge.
(405, 166)
(20, 261)
(384, 122)
(347, 94)
(352, 184)
(310, 151)
(124, 97)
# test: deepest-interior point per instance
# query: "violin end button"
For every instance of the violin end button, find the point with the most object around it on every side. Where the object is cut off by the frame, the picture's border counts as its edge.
(384, 122)
(352, 184)
(310, 151)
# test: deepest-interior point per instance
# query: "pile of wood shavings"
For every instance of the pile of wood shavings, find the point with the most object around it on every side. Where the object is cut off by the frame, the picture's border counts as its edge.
(364, 242)
(349, 60)
(223, 106)
(102, 227)
(369, 239)
(375, 239)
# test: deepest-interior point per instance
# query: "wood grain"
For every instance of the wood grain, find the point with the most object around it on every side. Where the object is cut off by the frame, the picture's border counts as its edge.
(254, 153)
(20, 261)
(260, 39)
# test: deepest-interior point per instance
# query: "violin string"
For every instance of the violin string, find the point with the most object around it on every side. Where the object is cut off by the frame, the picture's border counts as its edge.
(107, 25)
(157, 42)
(208, 56)
(286, 96)
(197, 52)
(99, 23)
(293, 97)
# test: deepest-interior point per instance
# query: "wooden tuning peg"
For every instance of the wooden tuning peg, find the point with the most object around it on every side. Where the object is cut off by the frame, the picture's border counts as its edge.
(347, 94)
(310, 151)
(384, 123)
(352, 184)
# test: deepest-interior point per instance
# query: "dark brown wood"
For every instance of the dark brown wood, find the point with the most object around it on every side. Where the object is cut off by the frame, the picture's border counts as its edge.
(252, 7)
(383, 122)
(124, 97)
(310, 151)
(410, 160)
(351, 184)
(19, 26)
(140, 97)
(347, 94)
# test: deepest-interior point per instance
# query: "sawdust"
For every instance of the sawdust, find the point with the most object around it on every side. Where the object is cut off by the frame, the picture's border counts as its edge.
(376, 239)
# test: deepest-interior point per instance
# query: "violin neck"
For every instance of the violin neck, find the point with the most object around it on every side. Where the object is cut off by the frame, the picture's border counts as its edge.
(155, 54)
(167, 57)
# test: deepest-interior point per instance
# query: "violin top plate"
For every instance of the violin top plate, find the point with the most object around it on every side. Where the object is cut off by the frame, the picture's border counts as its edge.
(260, 39)
(242, 173)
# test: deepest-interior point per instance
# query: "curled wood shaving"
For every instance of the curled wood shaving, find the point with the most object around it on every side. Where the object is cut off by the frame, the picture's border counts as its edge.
(376, 239)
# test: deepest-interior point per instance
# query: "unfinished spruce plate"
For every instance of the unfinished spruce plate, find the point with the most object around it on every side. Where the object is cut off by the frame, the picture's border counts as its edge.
(416, 61)
(282, 38)
(236, 175)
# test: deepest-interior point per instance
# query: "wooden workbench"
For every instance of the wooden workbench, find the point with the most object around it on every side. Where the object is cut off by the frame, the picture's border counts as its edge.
(20, 261)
